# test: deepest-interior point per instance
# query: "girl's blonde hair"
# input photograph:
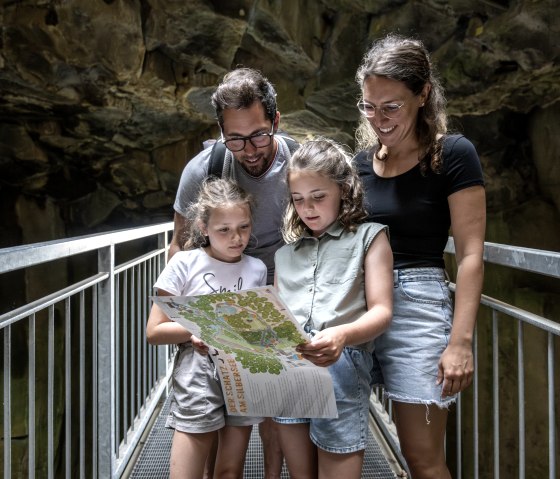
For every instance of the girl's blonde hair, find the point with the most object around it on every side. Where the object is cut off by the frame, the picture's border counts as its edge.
(214, 193)
(329, 159)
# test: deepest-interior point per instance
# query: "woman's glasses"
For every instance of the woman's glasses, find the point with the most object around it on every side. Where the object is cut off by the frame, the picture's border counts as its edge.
(389, 110)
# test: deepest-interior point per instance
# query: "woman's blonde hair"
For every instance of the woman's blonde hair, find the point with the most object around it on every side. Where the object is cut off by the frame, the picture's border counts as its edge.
(329, 159)
(214, 193)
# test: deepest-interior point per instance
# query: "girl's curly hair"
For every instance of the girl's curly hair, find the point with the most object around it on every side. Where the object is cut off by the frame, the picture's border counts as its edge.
(327, 158)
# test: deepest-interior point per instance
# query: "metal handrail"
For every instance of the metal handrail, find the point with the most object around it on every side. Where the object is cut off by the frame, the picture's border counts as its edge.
(130, 376)
(525, 259)
(24, 256)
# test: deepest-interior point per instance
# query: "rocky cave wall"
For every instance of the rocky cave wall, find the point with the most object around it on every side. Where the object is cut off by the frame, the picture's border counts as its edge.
(103, 102)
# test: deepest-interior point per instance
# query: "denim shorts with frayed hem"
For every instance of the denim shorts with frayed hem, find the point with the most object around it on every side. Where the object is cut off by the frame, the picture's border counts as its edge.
(197, 401)
(406, 356)
(351, 376)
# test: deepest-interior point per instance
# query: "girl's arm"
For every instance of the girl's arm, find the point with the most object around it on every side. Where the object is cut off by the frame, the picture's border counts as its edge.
(468, 224)
(327, 345)
(161, 330)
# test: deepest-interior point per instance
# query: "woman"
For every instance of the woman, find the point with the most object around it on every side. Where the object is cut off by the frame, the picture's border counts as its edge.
(421, 182)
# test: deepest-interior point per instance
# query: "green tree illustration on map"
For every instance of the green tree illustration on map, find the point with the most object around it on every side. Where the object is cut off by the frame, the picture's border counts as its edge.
(254, 320)
(258, 363)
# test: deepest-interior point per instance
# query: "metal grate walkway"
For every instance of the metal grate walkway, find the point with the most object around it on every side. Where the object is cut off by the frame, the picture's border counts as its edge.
(153, 459)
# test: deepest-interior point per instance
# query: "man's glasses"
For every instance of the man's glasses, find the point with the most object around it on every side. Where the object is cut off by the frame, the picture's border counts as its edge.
(260, 140)
(389, 110)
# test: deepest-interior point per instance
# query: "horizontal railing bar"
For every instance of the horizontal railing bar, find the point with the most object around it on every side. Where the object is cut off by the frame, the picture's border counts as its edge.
(56, 297)
(129, 264)
(18, 257)
(24, 256)
(526, 259)
(522, 315)
(518, 313)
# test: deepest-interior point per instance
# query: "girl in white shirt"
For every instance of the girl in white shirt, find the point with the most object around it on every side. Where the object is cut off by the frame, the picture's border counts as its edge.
(213, 261)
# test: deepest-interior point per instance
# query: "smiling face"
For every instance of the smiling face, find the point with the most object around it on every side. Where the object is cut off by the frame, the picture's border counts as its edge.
(316, 199)
(400, 130)
(228, 231)
(246, 122)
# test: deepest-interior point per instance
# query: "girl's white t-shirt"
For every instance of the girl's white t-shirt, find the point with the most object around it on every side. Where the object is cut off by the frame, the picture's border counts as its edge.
(194, 273)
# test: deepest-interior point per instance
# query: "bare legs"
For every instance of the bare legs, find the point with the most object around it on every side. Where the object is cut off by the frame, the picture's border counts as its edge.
(299, 451)
(232, 449)
(211, 460)
(421, 431)
(189, 453)
(221, 454)
(273, 458)
(306, 461)
(335, 466)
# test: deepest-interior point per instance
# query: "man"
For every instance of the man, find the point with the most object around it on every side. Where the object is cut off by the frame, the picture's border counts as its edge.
(256, 158)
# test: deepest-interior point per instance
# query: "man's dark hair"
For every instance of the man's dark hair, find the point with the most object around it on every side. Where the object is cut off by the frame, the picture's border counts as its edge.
(239, 89)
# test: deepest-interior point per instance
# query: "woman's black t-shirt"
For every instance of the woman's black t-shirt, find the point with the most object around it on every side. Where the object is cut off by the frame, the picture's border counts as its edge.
(414, 206)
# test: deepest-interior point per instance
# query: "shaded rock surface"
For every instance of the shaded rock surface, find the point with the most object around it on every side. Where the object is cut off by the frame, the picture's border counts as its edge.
(104, 102)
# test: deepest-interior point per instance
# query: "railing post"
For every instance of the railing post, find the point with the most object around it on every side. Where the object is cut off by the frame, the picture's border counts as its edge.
(7, 402)
(106, 456)
(161, 351)
(496, 393)
(551, 412)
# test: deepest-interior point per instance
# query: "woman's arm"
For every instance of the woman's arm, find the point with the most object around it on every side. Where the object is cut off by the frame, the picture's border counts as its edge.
(327, 345)
(468, 225)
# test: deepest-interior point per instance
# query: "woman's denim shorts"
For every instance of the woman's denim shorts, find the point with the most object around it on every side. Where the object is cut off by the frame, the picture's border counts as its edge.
(351, 376)
(406, 356)
(197, 401)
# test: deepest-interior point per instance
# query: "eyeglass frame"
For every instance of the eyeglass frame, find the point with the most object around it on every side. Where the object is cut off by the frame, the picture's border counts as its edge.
(249, 138)
(380, 108)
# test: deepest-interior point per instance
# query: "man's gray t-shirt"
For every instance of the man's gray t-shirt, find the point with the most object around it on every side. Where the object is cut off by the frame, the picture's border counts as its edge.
(269, 191)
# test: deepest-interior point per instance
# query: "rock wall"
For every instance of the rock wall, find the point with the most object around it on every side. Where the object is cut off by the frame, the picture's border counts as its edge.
(103, 102)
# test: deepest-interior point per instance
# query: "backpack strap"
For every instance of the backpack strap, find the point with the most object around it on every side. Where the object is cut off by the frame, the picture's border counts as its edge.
(217, 157)
(293, 145)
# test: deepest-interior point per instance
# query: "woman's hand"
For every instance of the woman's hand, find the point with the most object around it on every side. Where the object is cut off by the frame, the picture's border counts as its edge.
(325, 348)
(455, 369)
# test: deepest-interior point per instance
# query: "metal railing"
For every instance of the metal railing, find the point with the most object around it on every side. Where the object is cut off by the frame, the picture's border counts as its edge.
(80, 383)
(506, 392)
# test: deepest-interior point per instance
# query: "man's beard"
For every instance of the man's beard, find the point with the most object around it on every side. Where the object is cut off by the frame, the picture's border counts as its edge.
(258, 168)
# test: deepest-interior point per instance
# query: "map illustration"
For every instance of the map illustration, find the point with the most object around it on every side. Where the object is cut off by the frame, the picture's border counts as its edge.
(247, 325)
(252, 338)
